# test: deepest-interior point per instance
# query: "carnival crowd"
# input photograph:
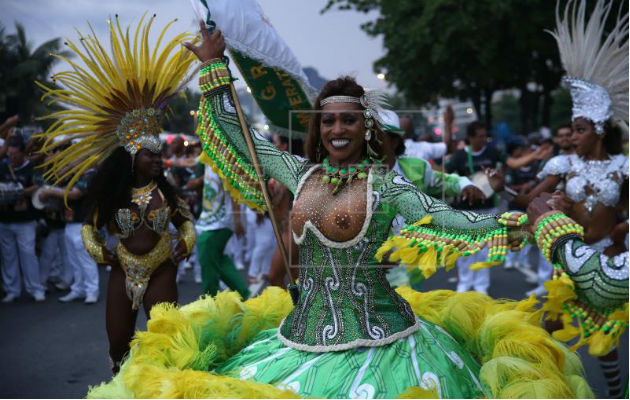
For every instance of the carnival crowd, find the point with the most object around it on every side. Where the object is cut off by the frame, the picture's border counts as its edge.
(40, 236)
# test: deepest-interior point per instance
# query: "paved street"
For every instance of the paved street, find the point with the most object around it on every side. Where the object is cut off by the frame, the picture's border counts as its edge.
(55, 350)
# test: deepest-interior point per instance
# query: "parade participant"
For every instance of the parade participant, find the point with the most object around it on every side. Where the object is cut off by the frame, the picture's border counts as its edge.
(596, 175)
(17, 225)
(118, 103)
(476, 157)
(349, 334)
(215, 226)
(588, 287)
(593, 181)
(84, 270)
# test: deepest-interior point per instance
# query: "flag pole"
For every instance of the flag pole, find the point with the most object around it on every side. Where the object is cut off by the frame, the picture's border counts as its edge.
(293, 289)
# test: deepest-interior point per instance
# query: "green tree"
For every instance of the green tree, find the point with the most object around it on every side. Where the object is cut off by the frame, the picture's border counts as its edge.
(20, 67)
(467, 49)
(178, 116)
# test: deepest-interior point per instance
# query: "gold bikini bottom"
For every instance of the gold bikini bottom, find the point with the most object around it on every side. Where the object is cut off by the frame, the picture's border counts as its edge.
(139, 268)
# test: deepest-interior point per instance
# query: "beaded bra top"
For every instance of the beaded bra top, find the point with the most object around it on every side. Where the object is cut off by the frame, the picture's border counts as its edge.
(156, 220)
(590, 181)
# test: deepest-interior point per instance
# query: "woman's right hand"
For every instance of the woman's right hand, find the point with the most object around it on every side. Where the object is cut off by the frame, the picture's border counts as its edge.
(212, 45)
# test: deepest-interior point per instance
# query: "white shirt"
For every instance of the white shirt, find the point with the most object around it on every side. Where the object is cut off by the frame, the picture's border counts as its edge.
(216, 204)
(424, 150)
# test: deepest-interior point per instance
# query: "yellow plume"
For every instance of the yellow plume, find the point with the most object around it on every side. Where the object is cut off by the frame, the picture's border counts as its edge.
(101, 87)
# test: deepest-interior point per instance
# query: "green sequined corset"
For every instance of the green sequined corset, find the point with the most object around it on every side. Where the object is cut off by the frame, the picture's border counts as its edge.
(345, 299)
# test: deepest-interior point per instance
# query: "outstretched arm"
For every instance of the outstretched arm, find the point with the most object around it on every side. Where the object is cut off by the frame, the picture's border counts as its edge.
(220, 132)
(587, 286)
(441, 234)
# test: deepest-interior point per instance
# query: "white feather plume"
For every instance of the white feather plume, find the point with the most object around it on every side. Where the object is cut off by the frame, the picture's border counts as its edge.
(589, 56)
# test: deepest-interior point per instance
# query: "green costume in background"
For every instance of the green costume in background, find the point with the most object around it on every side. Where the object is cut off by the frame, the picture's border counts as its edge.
(214, 228)
(350, 335)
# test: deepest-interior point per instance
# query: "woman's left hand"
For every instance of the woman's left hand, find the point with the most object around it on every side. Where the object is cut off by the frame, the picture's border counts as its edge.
(180, 251)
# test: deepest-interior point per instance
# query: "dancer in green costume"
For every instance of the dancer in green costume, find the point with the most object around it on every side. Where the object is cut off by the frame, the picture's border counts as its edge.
(350, 335)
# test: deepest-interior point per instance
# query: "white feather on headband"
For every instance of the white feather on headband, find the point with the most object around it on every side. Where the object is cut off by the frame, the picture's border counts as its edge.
(375, 101)
(599, 63)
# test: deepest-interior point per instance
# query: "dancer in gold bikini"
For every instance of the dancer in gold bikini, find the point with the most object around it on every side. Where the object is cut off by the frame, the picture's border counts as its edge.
(117, 104)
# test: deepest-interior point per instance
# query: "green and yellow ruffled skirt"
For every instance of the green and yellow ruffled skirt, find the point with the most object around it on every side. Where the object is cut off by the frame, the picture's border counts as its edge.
(468, 346)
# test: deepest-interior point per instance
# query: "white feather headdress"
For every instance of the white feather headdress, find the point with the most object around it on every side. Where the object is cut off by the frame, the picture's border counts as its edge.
(596, 66)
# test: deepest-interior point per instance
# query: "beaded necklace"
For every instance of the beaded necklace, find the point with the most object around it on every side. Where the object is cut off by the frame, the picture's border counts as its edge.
(339, 177)
(142, 196)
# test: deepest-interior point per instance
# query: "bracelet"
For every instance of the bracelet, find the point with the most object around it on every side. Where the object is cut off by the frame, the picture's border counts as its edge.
(513, 219)
(214, 76)
(553, 226)
(93, 246)
(211, 61)
(187, 235)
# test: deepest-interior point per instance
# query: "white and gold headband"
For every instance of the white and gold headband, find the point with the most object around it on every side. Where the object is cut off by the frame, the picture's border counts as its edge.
(374, 101)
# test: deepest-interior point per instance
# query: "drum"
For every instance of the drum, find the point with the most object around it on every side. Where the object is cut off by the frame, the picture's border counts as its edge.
(480, 179)
(10, 192)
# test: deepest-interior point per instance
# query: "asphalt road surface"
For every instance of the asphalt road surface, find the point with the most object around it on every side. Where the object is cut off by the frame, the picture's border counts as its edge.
(55, 350)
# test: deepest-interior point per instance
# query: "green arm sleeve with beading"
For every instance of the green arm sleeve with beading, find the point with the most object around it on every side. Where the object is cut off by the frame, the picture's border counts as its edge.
(599, 280)
(225, 148)
(439, 234)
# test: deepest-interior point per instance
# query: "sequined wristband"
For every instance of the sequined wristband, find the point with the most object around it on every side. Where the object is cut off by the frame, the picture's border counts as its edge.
(214, 78)
(554, 227)
(187, 235)
(92, 244)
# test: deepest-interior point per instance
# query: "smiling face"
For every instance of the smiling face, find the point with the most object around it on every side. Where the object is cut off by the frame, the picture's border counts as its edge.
(342, 130)
(584, 138)
(147, 164)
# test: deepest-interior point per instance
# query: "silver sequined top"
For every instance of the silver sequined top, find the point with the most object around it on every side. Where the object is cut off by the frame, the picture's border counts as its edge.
(603, 177)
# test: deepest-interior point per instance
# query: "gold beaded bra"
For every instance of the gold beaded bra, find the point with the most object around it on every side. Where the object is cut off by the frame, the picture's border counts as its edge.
(156, 220)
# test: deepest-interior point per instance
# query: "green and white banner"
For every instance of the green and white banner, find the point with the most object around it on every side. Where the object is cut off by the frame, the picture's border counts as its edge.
(269, 68)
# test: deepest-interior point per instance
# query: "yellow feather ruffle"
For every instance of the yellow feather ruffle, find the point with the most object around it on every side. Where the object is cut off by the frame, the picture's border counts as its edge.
(171, 359)
(560, 303)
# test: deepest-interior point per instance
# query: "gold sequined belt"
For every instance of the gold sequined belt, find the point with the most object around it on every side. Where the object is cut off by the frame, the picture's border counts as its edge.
(139, 268)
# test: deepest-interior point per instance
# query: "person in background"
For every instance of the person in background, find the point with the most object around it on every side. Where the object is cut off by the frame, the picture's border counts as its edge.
(562, 140)
(17, 227)
(423, 149)
(282, 200)
(521, 180)
(6, 129)
(215, 225)
(54, 265)
(474, 159)
(84, 268)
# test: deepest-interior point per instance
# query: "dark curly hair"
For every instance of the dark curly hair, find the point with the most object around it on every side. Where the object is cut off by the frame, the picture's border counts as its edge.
(110, 189)
(343, 86)
(613, 139)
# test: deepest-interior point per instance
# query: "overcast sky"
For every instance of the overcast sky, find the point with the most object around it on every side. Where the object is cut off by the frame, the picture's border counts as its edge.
(333, 43)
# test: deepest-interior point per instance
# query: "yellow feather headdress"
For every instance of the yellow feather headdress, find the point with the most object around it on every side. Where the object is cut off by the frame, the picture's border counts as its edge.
(116, 99)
